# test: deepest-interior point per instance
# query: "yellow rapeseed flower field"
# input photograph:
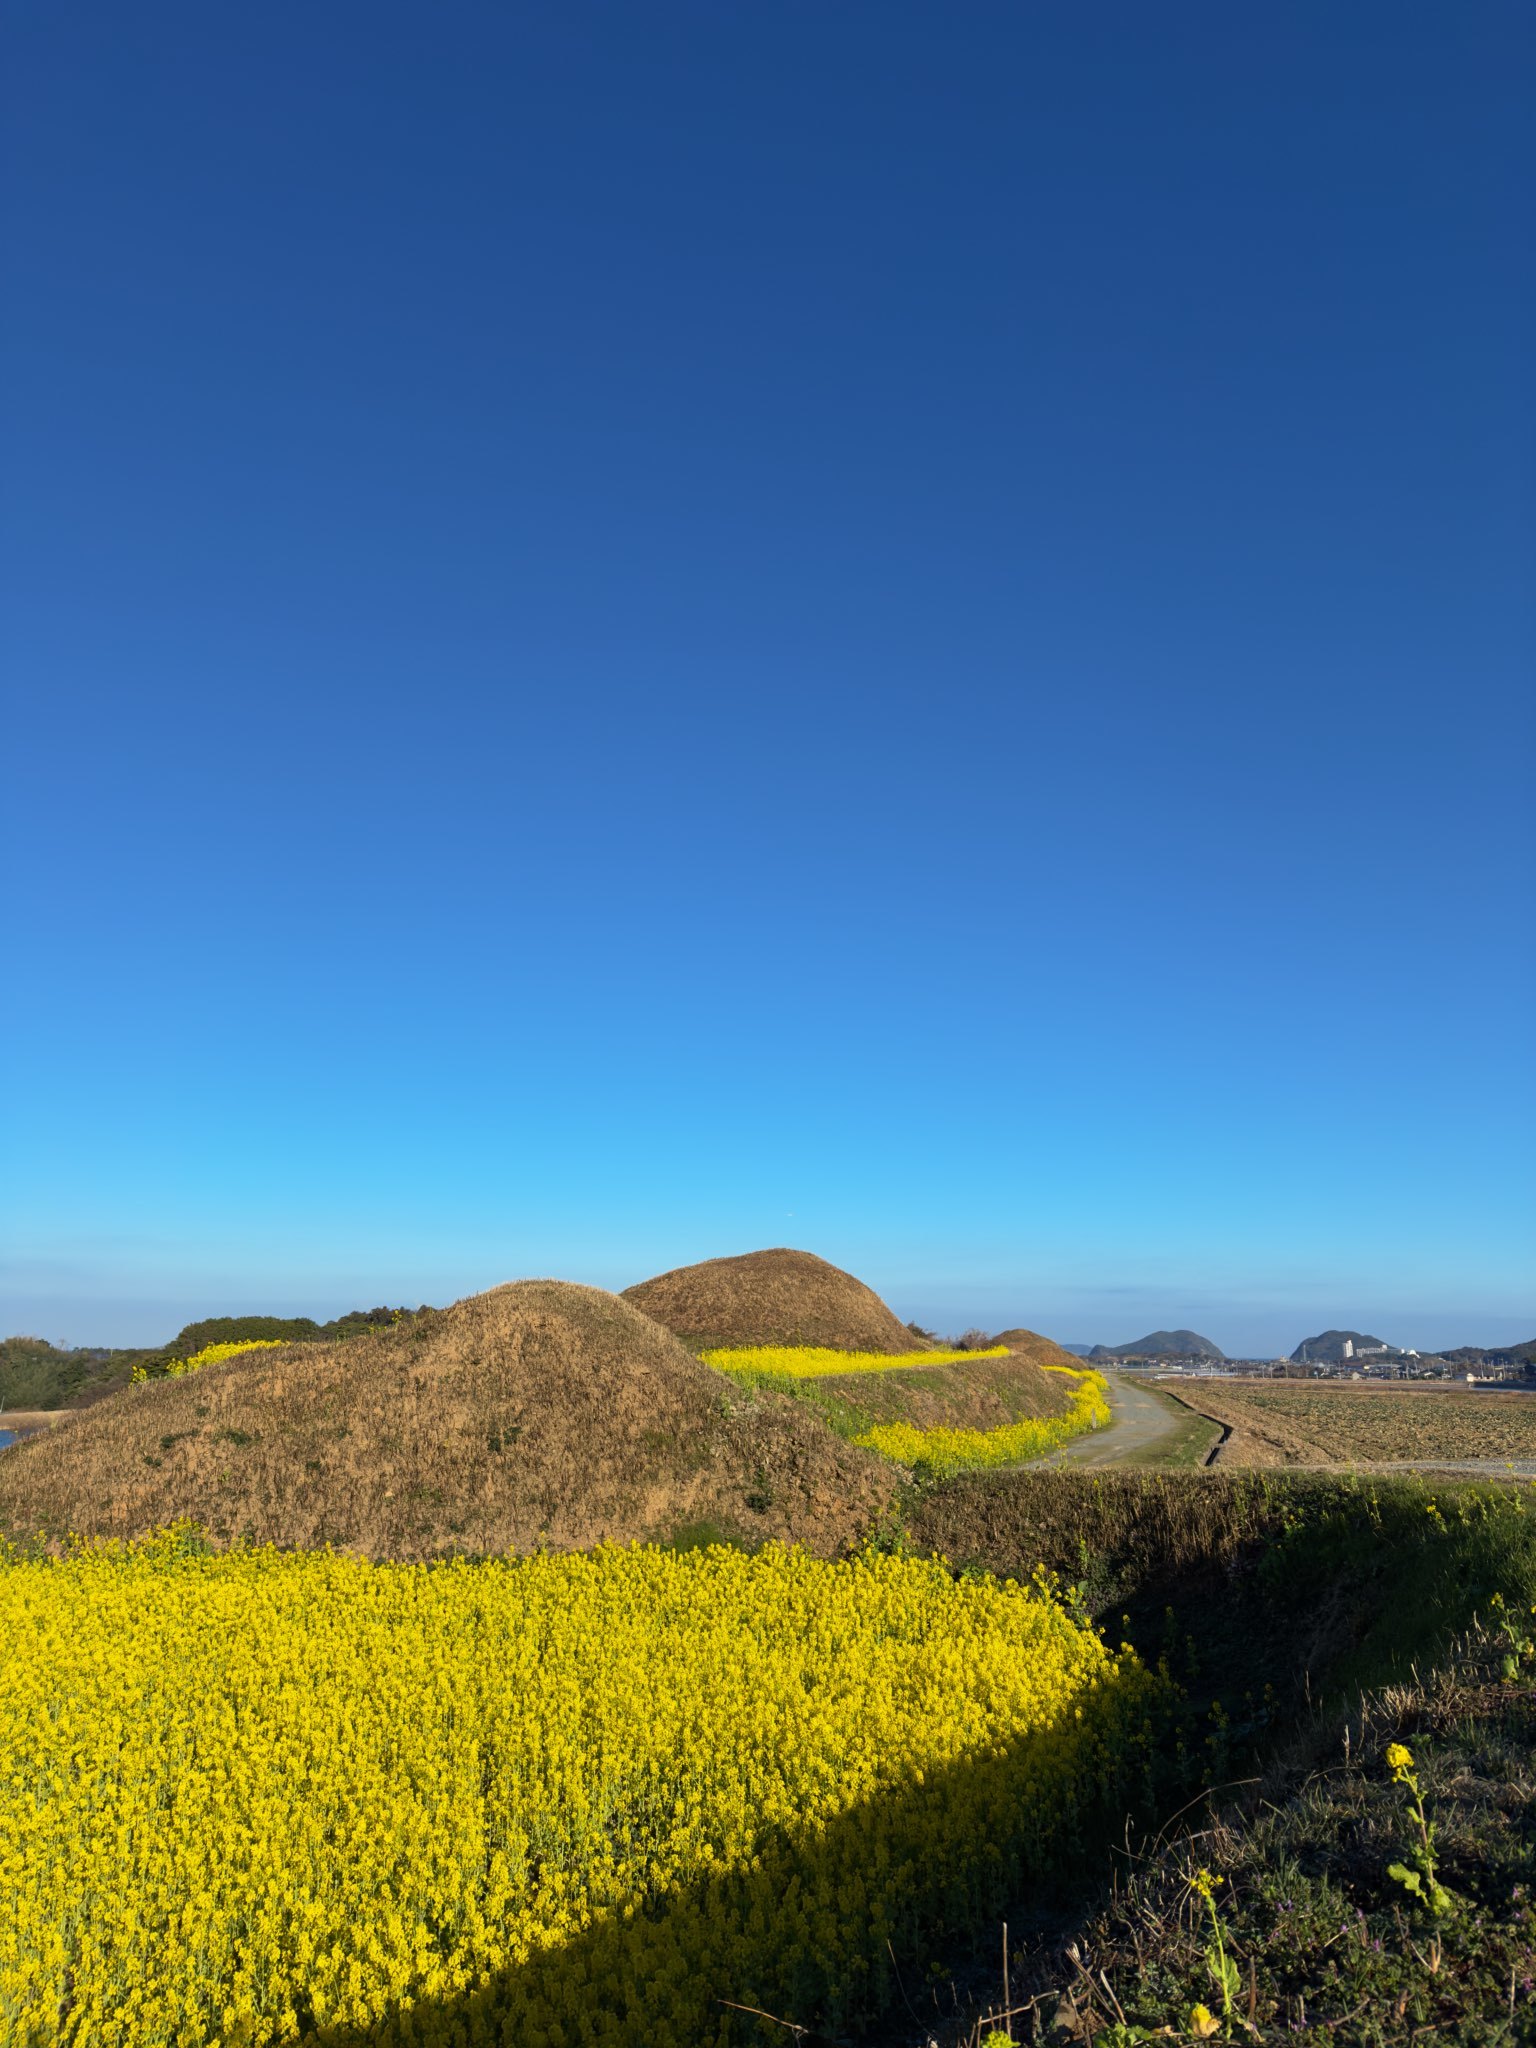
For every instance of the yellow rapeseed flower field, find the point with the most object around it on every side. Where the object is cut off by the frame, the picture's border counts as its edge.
(565, 1799)
(944, 1451)
(941, 1450)
(812, 1362)
(215, 1354)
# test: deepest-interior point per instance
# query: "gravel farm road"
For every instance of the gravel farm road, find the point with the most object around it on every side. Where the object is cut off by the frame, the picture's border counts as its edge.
(1144, 1425)
(1152, 1428)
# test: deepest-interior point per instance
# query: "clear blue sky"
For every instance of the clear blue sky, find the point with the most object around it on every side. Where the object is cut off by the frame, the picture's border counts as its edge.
(634, 632)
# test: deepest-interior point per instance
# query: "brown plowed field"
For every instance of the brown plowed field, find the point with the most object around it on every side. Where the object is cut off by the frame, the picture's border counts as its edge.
(1290, 1422)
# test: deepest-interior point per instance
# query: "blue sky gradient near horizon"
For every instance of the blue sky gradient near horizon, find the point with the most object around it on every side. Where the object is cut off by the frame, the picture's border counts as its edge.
(638, 632)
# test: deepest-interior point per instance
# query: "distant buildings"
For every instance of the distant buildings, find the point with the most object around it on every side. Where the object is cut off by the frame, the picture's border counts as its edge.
(1332, 1355)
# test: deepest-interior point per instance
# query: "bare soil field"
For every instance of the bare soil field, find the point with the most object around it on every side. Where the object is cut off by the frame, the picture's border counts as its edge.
(1285, 1422)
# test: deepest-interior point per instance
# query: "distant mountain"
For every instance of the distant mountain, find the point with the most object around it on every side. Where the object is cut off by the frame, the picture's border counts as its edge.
(1162, 1344)
(1081, 1350)
(1492, 1354)
(1328, 1349)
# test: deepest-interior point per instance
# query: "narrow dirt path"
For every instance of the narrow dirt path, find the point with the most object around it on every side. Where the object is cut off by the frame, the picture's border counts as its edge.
(1143, 1424)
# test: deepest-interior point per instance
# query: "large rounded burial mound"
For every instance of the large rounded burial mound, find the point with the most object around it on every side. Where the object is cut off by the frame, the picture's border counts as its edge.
(776, 1297)
(537, 1413)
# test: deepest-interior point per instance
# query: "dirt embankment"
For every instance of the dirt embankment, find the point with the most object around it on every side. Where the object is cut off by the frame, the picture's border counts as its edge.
(537, 1413)
(771, 1297)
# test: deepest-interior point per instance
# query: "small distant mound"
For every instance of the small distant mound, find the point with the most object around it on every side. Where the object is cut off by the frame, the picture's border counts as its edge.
(1163, 1344)
(537, 1413)
(1039, 1350)
(773, 1297)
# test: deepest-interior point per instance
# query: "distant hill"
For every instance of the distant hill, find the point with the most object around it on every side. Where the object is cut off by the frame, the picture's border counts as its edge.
(1492, 1354)
(37, 1374)
(357, 1322)
(1328, 1348)
(539, 1413)
(1162, 1344)
(772, 1297)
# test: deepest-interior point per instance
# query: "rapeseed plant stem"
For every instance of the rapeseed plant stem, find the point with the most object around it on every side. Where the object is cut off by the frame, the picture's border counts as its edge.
(1223, 1970)
(1419, 1878)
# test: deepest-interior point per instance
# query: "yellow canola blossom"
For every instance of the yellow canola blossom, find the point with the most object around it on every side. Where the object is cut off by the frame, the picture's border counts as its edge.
(215, 1354)
(808, 1362)
(943, 1451)
(564, 1799)
(211, 1354)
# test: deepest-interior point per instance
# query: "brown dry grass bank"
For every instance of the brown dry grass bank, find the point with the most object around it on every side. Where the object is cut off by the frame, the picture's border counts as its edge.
(772, 1297)
(537, 1413)
(1164, 1523)
(1280, 1422)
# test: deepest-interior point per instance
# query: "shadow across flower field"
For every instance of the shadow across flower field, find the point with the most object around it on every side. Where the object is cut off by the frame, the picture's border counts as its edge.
(834, 1931)
(573, 1796)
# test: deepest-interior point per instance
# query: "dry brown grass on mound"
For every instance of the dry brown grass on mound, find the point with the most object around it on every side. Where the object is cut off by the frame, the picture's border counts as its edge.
(774, 1297)
(1039, 1350)
(537, 1413)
